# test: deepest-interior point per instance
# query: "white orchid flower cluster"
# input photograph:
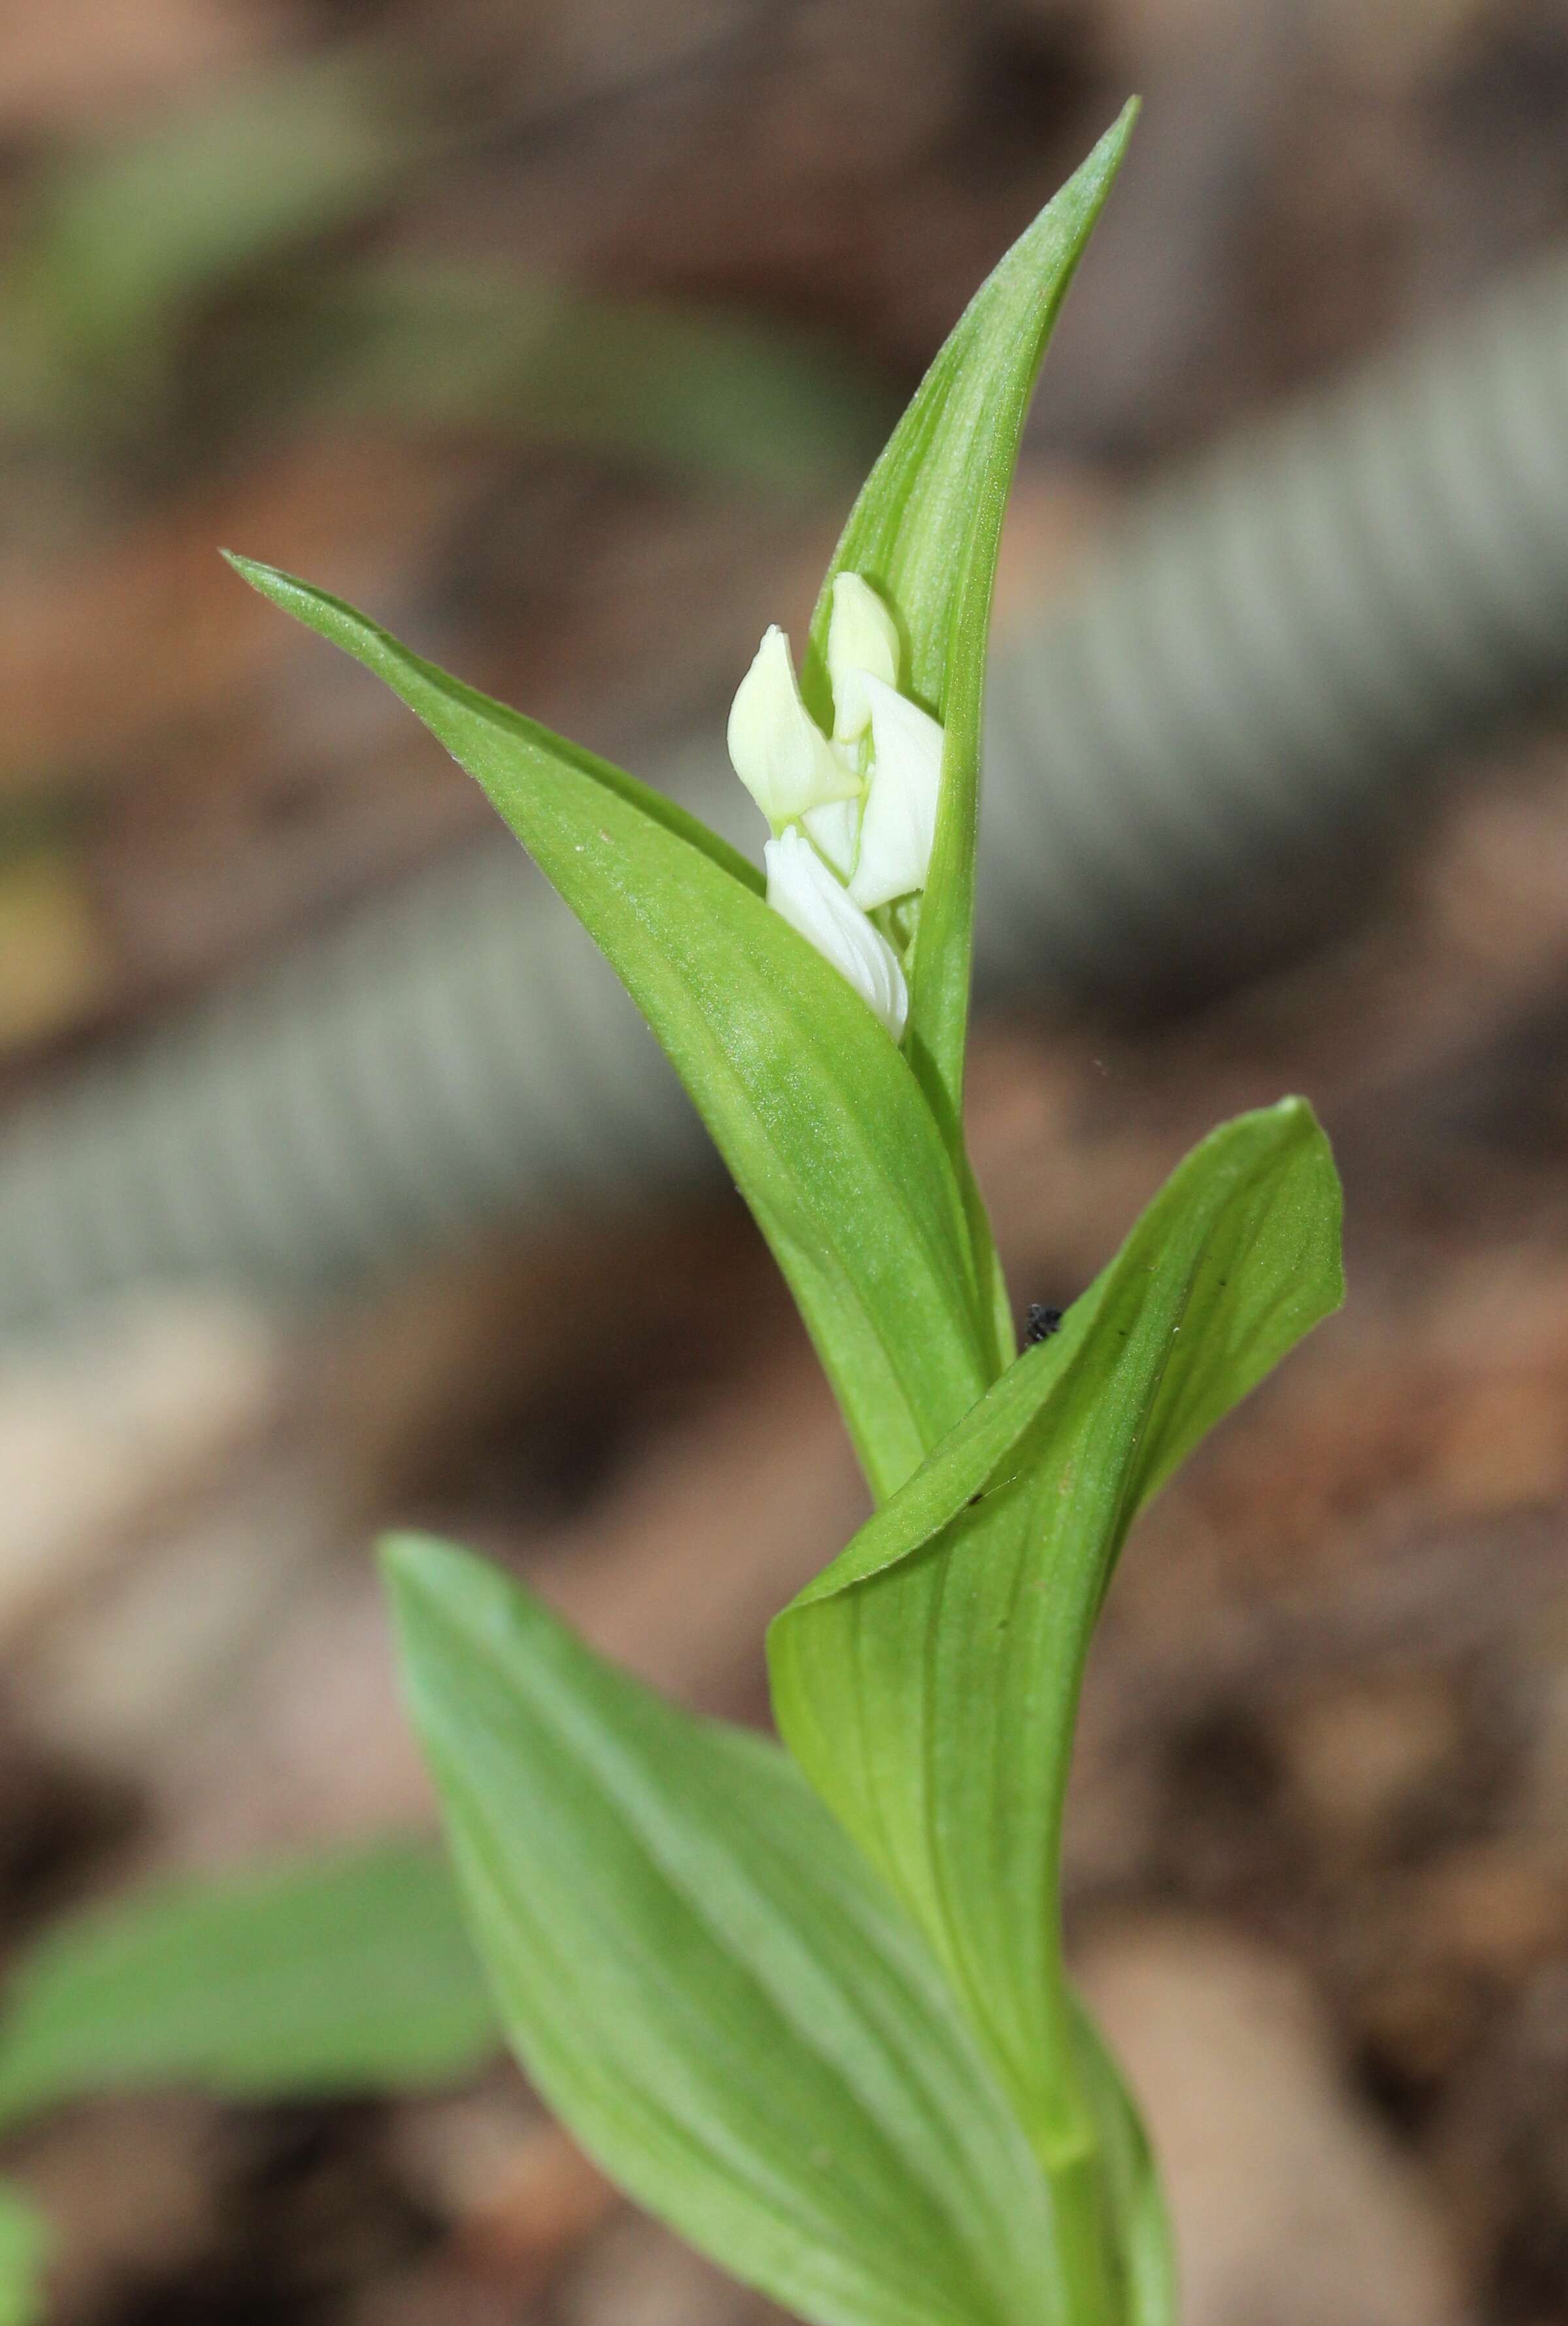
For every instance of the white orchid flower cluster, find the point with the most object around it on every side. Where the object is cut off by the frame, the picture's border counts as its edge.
(854, 815)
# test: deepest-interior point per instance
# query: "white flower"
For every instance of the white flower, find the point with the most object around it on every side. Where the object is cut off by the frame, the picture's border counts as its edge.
(899, 823)
(853, 819)
(836, 829)
(779, 753)
(862, 642)
(810, 897)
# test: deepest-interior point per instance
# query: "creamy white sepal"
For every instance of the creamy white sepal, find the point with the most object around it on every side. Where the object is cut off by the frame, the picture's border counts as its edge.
(862, 642)
(806, 893)
(899, 824)
(777, 749)
(836, 829)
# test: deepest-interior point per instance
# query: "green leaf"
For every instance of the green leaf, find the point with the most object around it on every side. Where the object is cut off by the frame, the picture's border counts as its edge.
(344, 1974)
(706, 1981)
(24, 2248)
(818, 1115)
(928, 1680)
(925, 531)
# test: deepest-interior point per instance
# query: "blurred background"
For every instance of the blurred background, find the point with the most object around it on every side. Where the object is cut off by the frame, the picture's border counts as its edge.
(336, 1185)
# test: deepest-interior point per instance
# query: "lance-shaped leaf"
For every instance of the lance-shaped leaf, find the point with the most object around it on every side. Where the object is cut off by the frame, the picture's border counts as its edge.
(927, 1681)
(708, 1984)
(347, 1973)
(819, 1117)
(925, 532)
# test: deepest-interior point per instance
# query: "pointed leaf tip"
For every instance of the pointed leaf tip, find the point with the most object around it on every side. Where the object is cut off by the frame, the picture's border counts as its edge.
(251, 569)
(407, 1560)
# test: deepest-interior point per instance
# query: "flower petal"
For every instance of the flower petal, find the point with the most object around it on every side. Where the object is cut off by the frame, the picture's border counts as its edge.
(836, 830)
(801, 888)
(862, 642)
(777, 749)
(899, 824)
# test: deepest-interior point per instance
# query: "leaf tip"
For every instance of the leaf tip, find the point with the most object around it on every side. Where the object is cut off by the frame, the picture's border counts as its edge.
(285, 590)
(1298, 1116)
(421, 1576)
(411, 1564)
(1106, 154)
(439, 1591)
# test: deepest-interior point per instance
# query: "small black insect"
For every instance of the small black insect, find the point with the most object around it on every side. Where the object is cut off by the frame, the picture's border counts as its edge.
(1040, 1324)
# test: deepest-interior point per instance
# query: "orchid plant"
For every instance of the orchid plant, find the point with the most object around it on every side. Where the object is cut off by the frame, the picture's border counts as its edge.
(806, 2000)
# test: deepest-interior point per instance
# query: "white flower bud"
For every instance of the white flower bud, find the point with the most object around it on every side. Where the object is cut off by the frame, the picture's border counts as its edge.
(899, 824)
(862, 642)
(778, 751)
(801, 888)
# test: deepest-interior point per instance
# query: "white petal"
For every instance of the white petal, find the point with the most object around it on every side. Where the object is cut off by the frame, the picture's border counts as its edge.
(801, 889)
(778, 751)
(899, 825)
(862, 642)
(836, 829)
